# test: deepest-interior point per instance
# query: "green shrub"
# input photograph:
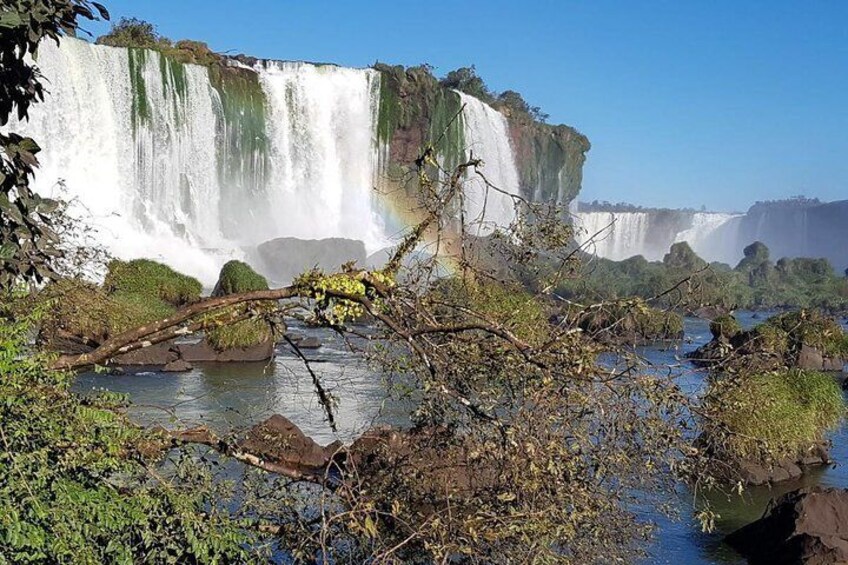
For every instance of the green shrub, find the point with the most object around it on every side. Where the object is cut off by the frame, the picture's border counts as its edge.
(725, 326)
(73, 486)
(767, 416)
(246, 333)
(151, 279)
(811, 328)
(236, 277)
(82, 309)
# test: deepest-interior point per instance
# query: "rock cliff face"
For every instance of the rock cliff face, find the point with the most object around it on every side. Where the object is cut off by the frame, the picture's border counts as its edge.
(415, 110)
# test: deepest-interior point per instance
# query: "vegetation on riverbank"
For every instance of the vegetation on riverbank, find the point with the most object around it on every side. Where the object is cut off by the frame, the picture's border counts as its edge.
(756, 283)
(765, 417)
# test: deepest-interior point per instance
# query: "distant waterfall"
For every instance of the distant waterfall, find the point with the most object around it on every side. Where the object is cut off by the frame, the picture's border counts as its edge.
(620, 235)
(612, 235)
(187, 164)
(487, 137)
(714, 236)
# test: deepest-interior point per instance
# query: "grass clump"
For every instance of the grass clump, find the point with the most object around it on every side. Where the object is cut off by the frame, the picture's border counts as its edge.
(237, 276)
(79, 308)
(151, 279)
(240, 335)
(725, 326)
(767, 416)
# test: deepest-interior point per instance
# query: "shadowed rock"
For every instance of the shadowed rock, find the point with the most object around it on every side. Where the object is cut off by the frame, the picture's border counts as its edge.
(808, 526)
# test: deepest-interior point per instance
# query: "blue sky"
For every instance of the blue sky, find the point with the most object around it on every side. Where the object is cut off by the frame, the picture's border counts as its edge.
(686, 103)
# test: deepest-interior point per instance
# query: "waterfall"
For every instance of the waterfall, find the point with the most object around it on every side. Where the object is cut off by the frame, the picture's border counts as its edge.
(714, 236)
(322, 130)
(189, 165)
(487, 137)
(613, 236)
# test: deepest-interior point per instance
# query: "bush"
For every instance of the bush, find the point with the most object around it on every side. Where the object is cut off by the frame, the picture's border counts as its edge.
(236, 277)
(74, 488)
(133, 32)
(725, 326)
(151, 279)
(84, 310)
(768, 416)
(811, 328)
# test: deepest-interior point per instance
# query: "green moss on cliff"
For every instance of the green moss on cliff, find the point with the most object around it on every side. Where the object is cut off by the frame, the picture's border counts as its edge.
(140, 105)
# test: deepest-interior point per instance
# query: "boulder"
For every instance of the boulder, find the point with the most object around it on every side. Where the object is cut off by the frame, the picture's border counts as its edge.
(203, 352)
(309, 342)
(809, 525)
(284, 258)
(154, 355)
(178, 366)
(809, 358)
(280, 441)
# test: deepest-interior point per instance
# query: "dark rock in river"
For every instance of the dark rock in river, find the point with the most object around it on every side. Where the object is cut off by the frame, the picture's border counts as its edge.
(284, 258)
(809, 526)
(178, 366)
(309, 343)
(153, 356)
(278, 440)
(203, 352)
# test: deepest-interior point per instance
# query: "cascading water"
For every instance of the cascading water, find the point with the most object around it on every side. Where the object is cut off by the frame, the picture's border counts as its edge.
(613, 236)
(189, 164)
(714, 236)
(487, 137)
(323, 147)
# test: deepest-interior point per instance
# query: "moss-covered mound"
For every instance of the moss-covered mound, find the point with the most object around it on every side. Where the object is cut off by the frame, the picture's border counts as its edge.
(75, 308)
(630, 321)
(151, 279)
(806, 339)
(236, 277)
(724, 327)
(766, 417)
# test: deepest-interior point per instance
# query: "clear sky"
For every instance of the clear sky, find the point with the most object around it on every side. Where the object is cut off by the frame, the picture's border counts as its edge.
(716, 103)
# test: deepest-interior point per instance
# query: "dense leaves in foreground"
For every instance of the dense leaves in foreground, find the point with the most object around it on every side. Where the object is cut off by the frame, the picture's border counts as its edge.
(75, 488)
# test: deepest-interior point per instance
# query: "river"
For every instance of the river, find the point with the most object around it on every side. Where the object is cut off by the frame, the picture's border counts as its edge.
(236, 396)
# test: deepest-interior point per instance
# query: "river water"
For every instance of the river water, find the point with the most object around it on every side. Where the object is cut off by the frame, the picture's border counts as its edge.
(236, 396)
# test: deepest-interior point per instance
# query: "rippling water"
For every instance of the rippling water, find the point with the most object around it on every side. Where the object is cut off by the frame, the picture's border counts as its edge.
(235, 396)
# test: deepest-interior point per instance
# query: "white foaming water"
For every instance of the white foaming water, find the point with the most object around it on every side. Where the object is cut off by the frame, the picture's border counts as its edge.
(613, 236)
(137, 142)
(714, 236)
(487, 136)
(322, 128)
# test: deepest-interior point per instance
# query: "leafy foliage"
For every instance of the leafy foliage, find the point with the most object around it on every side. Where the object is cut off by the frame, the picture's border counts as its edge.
(75, 487)
(28, 242)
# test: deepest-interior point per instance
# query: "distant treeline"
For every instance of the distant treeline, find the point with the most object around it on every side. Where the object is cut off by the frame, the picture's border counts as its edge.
(755, 283)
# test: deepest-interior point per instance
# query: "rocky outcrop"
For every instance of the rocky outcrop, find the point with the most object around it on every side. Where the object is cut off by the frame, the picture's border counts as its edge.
(805, 339)
(202, 352)
(281, 442)
(415, 109)
(808, 526)
(755, 473)
(285, 258)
